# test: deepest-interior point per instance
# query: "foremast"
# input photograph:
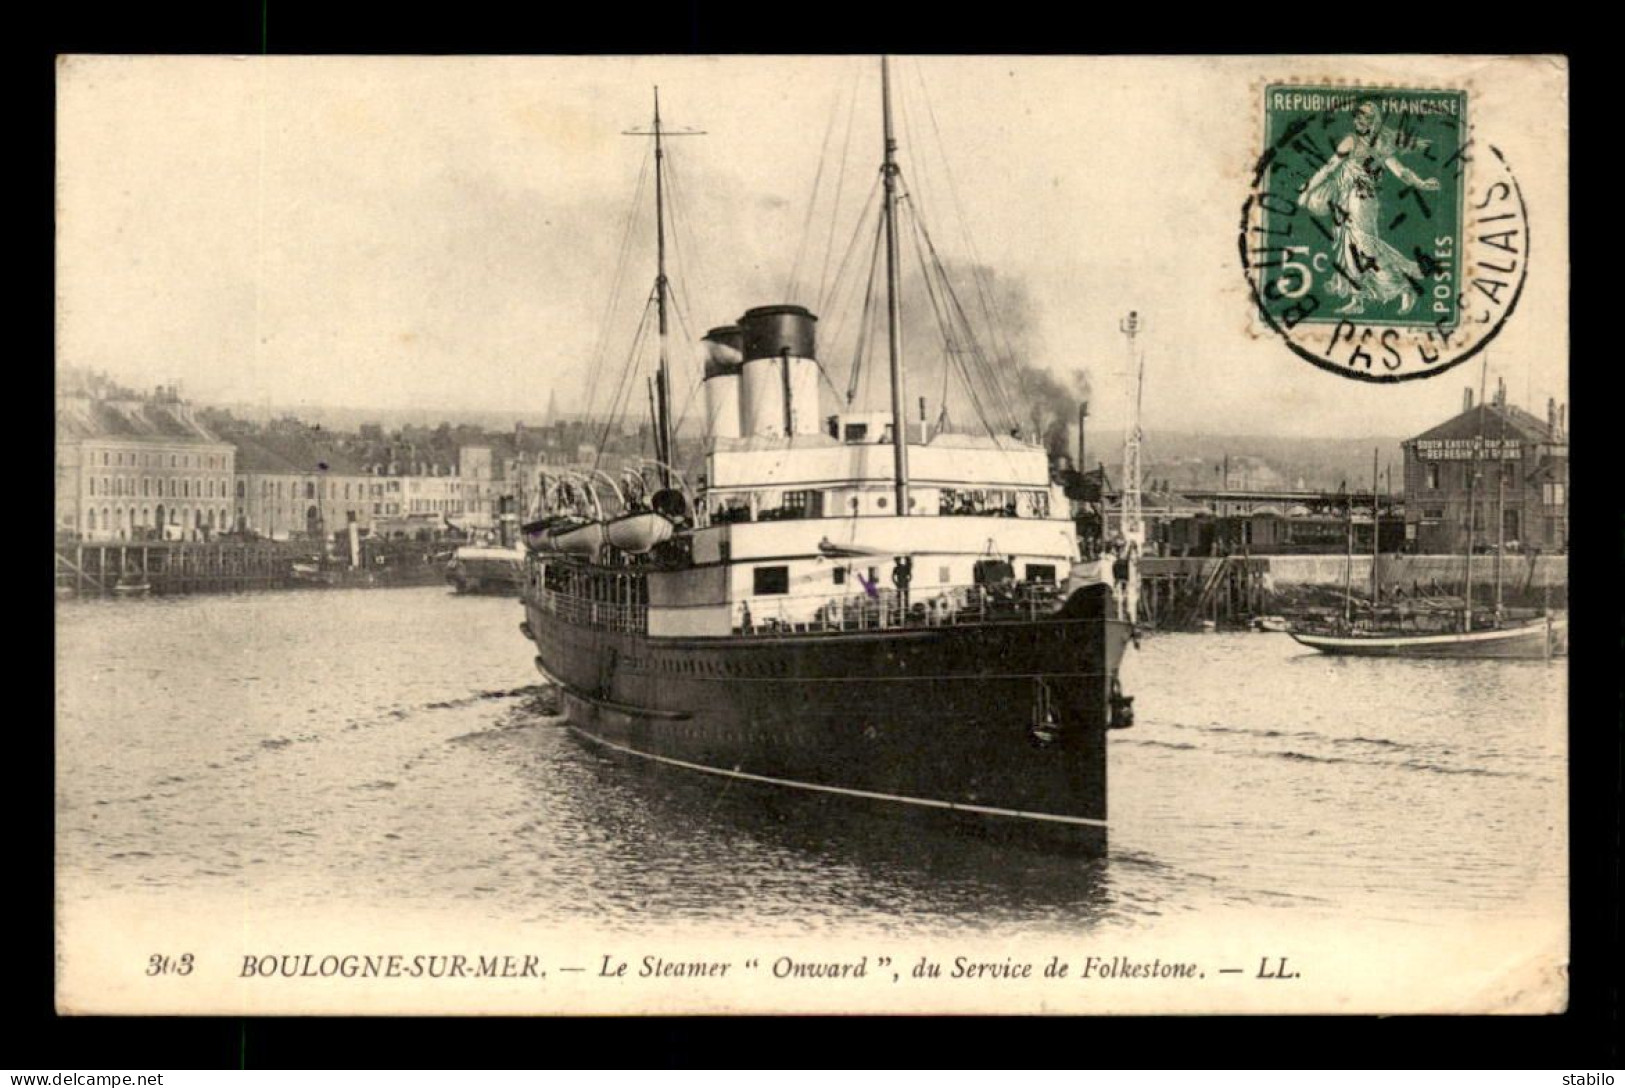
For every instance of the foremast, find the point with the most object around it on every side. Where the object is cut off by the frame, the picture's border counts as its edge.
(662, 385)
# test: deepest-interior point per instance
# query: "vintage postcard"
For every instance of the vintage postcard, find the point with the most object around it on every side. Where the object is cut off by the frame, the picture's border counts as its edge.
(778, 534)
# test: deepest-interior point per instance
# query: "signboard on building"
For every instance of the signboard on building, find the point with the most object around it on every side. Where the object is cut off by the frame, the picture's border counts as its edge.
(1467, 449)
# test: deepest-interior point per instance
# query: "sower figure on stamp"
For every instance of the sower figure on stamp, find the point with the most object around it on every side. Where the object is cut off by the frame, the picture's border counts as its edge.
(1368, 269)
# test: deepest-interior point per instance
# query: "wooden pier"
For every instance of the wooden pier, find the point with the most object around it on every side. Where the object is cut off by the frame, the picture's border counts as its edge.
(1182, 593)
(170, 567)
(1186, 593)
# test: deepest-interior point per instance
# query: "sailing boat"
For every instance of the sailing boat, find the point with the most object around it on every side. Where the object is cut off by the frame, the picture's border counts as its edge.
(1402, 631)
(831, 619)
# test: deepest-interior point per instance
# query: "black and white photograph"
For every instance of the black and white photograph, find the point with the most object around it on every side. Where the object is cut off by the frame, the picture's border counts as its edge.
(679, 534)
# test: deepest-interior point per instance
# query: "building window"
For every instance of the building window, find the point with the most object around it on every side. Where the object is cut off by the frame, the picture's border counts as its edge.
(839, 574)
(771, 580)
(1041, 572)
(1551, 494)
(1433, 477)
(105, 461)
(186, 489)
(144, 483)
(240, 489)
(93, 489)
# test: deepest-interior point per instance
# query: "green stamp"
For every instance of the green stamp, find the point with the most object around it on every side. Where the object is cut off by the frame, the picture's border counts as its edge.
(1370, 234)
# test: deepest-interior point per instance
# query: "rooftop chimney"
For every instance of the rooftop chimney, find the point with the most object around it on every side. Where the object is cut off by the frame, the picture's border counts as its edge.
(1551, 415)
(1500, 392)
(1563, 419)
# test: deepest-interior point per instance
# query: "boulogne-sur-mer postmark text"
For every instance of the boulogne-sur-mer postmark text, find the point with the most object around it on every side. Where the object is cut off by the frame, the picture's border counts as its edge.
(1382, 239)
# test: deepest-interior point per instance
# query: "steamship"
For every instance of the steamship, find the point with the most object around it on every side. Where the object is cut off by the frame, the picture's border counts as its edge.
(846, 611)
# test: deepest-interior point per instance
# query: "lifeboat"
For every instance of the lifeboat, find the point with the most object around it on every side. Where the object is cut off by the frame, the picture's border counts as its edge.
(538, 534)
(580, 539)
(641, 532)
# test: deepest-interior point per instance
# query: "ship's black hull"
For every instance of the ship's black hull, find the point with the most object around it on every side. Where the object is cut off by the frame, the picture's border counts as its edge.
(998, 727)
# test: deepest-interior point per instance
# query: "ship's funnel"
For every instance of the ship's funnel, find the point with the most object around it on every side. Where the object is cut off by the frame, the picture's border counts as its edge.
(724, 350)
(724, 359)
(779, 392)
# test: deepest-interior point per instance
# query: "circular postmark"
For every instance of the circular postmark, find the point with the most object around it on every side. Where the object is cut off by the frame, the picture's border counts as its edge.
(1381, 240)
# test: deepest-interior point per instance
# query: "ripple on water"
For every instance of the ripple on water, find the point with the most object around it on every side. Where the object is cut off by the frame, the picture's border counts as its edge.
(428, 765)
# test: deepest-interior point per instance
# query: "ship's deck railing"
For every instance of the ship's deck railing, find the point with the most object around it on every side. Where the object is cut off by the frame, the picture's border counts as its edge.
(938, 607)
(633, 618)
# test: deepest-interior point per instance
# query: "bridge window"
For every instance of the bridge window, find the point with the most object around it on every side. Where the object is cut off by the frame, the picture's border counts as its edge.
(771, 580)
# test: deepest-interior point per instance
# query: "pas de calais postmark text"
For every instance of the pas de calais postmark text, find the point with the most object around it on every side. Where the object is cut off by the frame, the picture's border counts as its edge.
(1381, 240)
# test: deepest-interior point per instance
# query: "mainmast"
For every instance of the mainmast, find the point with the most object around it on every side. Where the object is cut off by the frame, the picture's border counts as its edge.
(662, 379)
(894, 329)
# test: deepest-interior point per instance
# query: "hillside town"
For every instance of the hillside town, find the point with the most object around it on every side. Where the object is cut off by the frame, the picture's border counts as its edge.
(151, 466)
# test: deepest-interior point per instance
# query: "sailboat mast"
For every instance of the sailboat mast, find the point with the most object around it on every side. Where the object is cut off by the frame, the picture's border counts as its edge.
(1500, 502)
(662, 379)
(1348, 565)
(1376, 540)
(894, 328)
(1472, 482)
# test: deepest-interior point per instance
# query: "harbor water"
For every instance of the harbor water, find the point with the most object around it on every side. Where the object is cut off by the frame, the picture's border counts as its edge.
(396, 750)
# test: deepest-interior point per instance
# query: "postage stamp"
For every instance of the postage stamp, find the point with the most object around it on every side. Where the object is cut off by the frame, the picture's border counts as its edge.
(1382, 241)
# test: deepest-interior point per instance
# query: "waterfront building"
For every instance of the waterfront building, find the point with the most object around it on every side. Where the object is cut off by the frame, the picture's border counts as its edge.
(434, 489)
(481, 488)
(136, 467)
(289, 485)
(1496, 456)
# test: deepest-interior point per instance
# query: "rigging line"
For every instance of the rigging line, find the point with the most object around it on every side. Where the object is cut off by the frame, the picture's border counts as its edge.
(628, 376)
(984, 366)
(990, 374)
(812, 202)
(840, 185)
(677, 209)
(876, 321)
(977, 269)
(625, 384)
(617, 282)
(864, 320)
(834, 300)
(980, 363)
(682, 231)
(944, 319)
(681, 299)
(843, 303)
(691, 386)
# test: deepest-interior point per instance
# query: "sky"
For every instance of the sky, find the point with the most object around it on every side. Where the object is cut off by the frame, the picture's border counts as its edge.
(445, 232)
